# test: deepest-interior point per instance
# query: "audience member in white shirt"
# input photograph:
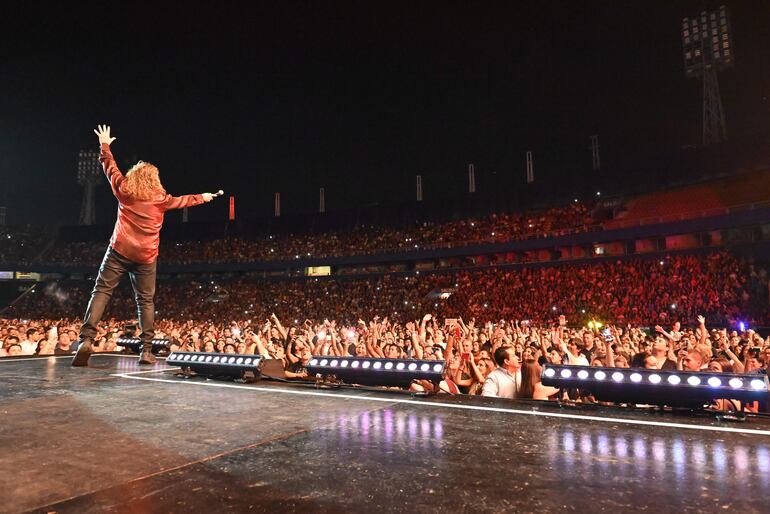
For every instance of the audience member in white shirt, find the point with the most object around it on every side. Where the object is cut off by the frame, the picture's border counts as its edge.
(505, 381)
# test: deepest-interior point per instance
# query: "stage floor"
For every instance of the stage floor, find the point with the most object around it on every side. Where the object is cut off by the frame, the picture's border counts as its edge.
(115, 437)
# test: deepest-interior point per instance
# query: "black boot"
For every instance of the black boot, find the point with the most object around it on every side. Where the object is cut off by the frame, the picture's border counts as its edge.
(145, 354)
(85, 350)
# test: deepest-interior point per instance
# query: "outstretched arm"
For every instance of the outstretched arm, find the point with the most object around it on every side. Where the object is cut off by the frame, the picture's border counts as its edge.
(702, 328)
(115, 176)
(180, 202)
(108, 161)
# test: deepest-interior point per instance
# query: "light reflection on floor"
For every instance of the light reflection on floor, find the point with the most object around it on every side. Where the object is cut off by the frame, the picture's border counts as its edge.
(391, 428)
(670, 456)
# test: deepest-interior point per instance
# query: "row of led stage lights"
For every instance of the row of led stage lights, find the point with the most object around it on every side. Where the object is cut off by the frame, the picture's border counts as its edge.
(376, 365)
(618, 376)
(213, 359)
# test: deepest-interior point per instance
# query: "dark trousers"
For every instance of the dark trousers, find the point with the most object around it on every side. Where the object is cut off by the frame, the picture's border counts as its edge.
(142, 276)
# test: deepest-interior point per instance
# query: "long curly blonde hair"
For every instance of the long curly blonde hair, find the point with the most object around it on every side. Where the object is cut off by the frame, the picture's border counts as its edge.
(142, 182)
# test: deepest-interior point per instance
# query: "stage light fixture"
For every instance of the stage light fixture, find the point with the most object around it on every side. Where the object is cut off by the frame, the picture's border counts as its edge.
(159, 346)
(377, 372)
(216, 365)
(657, 387)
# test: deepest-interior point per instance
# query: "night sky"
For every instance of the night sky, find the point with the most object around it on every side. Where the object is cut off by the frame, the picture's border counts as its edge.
(357, 97)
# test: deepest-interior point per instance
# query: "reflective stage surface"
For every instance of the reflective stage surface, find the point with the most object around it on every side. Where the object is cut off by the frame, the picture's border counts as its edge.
(118, 438)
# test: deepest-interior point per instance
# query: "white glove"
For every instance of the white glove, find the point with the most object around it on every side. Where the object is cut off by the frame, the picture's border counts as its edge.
(207, 197)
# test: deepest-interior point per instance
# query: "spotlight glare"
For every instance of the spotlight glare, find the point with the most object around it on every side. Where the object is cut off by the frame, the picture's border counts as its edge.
(693, 381)
(324, 362)
(377, 365)
(400, 366)
(617, 376)
(549, 372)
(565, 373)
(334, 363)
(425, 367)
(247, 361)
(757, 384)
(239, 360)
(654, 379)
(674, 380)
(343, 364)
(582, 374)
(636, 377)
(366, 364)
(412, 366)
(388, 365)
(313, 362)
(438, 367)
(714, 382)
(736, 383)
(355, 364)
(600, 375)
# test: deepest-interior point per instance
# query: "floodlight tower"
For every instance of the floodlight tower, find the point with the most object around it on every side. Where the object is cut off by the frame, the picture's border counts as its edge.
(89, 171)
(708, 48)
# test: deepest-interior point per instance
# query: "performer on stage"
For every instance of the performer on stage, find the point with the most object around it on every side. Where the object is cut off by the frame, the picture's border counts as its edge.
(133, 248)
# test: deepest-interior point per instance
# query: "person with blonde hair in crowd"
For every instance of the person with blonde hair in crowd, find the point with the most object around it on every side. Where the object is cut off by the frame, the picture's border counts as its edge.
(133, 249)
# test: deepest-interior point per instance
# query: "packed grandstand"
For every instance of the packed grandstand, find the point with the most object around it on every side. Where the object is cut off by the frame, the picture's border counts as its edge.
(622, 284)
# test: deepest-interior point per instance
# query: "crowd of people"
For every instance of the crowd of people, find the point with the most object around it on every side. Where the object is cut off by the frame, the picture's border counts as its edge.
(617, 311)
(642, 292)
(501, 358)
(496, 228)
(23, 244)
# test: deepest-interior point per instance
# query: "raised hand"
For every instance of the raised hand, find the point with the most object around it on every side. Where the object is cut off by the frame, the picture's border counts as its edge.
(103, 133)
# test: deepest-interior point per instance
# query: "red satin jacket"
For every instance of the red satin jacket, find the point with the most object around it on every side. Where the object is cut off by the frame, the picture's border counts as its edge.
(137, 229)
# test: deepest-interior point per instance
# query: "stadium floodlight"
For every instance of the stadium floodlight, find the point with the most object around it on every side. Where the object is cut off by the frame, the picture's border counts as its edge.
(89, 168)
(159, 346)
(376, 372)
(708, 48)
(218, 365)
(89, 174)
(657, 387)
